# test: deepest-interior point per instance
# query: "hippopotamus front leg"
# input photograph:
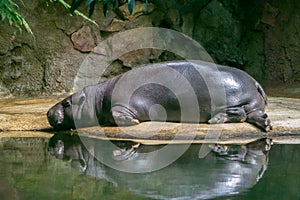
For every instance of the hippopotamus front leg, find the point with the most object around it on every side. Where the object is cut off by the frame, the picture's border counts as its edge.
(122, 119)
(234, 114)
(123, 116)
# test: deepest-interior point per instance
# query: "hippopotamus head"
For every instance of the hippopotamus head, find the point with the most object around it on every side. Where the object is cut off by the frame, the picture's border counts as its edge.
(75, 111)
(60, 116)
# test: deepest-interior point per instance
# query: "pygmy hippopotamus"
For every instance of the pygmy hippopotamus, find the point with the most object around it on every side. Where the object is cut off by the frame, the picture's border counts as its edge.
(176, 91)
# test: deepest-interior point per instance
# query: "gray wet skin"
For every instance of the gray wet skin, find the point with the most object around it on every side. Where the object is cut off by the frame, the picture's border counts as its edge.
(157, 91)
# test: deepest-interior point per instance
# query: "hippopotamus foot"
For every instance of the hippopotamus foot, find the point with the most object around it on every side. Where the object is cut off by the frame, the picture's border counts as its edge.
(236, 114)
(261, 119)
(122, 119)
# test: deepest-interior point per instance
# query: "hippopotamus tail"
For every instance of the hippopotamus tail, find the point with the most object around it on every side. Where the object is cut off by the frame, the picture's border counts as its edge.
(262, 92)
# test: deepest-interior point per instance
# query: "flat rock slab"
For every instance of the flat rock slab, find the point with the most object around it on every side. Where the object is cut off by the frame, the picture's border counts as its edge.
(25, 114)
(30, 115)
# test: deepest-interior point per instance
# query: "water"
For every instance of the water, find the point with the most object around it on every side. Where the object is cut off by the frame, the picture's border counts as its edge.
(29, 169)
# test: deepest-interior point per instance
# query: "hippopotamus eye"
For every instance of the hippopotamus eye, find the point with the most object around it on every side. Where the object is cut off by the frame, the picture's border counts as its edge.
(78, 99)
(66, 103)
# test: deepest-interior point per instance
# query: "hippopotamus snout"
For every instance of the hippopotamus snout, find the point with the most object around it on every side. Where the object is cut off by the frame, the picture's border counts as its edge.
(58, 119)
(56, 115)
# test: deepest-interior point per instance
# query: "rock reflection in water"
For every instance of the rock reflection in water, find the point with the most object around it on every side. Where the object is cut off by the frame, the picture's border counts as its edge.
(7, 192)
(226, 170)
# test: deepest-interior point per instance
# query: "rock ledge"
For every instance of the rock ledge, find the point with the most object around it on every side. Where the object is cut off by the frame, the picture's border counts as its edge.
(29, 116)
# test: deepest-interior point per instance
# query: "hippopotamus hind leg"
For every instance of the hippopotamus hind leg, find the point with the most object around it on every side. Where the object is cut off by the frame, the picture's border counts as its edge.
(261, 119)
(234, 114)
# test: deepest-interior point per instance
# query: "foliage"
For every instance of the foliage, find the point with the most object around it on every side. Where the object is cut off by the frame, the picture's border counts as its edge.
(8, 11)
(76, 11)
(105, 3)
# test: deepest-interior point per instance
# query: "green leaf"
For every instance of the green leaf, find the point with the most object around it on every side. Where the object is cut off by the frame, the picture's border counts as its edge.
(3, 17)
(114, 3)
(131, 4)
(105, 7)
(75, 4)
(77, 12)
(27, 27)
(8, 11)
(146, 5)
(92, 8)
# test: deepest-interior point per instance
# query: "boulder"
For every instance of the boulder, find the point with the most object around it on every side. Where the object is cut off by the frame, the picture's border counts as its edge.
(220, 34)
(139, 9)
(84, 40)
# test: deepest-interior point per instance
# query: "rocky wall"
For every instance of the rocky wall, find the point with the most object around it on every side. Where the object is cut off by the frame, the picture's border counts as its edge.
(260, 37)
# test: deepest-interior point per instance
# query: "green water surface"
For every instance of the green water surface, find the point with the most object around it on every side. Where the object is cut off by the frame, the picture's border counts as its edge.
(28, 171)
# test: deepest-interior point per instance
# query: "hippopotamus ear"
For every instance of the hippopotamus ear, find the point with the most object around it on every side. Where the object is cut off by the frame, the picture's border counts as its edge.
(78, 98)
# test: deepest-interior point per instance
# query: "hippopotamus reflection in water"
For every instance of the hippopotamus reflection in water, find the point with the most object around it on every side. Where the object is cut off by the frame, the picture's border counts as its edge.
(227, 170)
(219, 93)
